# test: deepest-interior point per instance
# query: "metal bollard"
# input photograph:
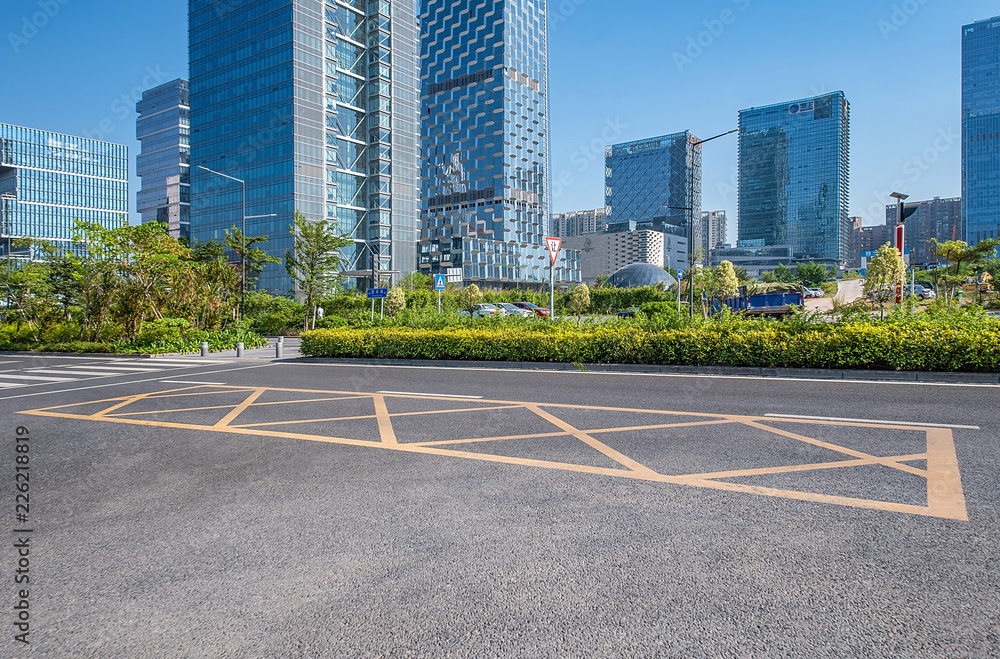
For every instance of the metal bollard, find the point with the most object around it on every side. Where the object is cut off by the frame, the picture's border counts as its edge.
(281, 339)
(204, 348)
(239, 349)
(277, 349)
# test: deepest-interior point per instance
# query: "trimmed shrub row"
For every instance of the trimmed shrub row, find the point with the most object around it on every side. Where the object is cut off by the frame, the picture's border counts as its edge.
(913, 346)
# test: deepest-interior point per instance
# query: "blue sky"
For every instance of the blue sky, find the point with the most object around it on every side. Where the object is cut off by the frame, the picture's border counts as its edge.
(618, 71)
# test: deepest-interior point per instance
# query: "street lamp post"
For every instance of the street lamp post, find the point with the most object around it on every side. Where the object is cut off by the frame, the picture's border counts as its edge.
(243, 233)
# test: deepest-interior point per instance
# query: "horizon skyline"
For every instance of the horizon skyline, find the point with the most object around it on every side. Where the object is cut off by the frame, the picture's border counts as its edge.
(909, 136)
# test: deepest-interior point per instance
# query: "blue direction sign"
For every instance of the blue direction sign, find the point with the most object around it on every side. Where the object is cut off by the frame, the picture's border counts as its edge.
(376, 293)
(439, 282)
(680, 274)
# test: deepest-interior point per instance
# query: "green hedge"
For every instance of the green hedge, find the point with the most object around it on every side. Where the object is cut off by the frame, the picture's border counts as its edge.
(911, 344)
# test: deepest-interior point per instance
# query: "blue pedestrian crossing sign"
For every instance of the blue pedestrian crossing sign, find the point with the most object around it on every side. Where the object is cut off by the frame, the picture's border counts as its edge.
(439, 282)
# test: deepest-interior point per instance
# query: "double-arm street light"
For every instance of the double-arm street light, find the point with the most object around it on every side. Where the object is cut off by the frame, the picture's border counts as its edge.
(243, 233)
(690, 209)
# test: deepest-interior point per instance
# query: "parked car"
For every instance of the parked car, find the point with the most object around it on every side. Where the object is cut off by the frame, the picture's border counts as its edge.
(920, 291)
(817, 292)
(541, 312)
(514, 310)
(483, 309)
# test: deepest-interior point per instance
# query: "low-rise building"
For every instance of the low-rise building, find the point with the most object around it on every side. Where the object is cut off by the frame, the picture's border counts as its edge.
(605, 253)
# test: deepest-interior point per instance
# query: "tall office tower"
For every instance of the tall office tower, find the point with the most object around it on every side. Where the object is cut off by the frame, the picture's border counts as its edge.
(164, 164)
(578, 223)
(936, 218)
(314, 106)
(484, 136)
(711, 233)
(655, 184)
(48, 181)
(794, 177)
(981, 130)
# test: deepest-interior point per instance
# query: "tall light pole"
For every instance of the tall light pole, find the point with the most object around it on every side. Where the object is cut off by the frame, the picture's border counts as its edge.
(694, 142)
(7, 197)
(243, 233)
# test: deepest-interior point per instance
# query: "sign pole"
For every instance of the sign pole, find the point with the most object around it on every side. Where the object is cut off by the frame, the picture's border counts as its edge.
(381, 308)
(553, 246)
(373, 309)
(439, 302)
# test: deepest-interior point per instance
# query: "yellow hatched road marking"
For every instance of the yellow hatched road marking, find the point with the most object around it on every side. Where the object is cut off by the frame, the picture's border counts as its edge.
(945, 497)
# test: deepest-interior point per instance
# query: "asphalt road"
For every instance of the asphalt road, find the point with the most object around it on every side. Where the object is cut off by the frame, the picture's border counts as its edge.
(283, 509)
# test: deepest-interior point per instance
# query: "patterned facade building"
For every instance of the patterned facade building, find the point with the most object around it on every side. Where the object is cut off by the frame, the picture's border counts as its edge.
(164, 164)
(794, 178)
(655, 183)
(484, 143)
(48, 181)
(315, 106)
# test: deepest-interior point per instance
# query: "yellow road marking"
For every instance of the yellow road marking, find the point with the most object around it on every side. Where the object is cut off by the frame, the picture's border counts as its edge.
(944, 482)
(813, 466)
(945, 497)
(384, 422)
(593, 443)
(888, 462)
(239, 409)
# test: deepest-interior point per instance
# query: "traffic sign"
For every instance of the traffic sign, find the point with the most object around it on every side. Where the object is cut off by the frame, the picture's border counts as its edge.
(439, 282)
(680, 274)
(376, 293)
(553, 245)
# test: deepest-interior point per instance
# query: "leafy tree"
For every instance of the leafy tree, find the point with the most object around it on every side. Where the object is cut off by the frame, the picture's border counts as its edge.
(884, 270)
(741, 274)
(256, 258)
(722, 282)
(602, 279)
(961, 259)
(579, 300)
(395, 301)
(811, 274)
(315, 261)
(469, 296)
(29, 288)
(61, 276)
(416, 281)
(783, 274)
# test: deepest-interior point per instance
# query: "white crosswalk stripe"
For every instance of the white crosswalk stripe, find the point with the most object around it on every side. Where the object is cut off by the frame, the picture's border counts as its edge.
(63, 372)
(10, 376)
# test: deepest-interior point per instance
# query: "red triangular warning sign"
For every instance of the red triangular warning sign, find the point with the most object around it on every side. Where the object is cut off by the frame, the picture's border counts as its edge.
(553, 245)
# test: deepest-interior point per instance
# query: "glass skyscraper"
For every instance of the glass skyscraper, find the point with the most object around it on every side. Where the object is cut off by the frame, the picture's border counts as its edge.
(981, 130)
(164, 132)
(50, 180)
(655, 183)
(314, 105)
(794, 178)
(484, 134)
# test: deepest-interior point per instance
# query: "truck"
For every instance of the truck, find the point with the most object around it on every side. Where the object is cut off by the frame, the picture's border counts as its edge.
(771, 304)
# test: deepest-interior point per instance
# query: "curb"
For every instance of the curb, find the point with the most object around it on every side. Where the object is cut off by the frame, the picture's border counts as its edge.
(777, 373)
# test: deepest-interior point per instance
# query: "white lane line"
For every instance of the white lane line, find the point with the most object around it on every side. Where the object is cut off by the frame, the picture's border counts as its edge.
(130, 383)
(124, 368)
(890, 423)
(7, 385)
(414, 393)
(193, 361)
(190, 382)
(47, 378)
(62, 372)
